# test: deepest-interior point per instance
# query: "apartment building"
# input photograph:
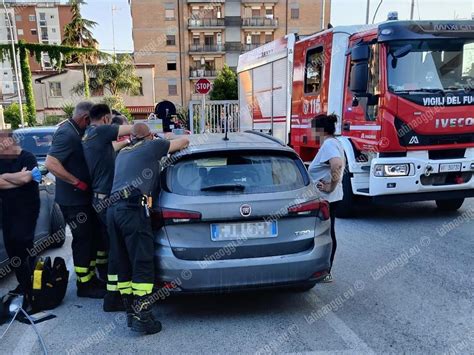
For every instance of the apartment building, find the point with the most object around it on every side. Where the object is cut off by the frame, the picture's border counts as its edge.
(192, 39)
(33, 22)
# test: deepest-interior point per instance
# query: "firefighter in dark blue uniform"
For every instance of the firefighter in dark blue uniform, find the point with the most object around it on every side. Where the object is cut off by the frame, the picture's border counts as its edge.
(66, 162)
(99, 144)
(129, 225)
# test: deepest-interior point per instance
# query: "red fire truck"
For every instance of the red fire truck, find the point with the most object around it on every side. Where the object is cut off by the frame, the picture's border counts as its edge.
(404, 95)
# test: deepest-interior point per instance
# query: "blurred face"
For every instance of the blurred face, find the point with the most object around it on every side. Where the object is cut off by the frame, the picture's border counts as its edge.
(318, 134)
(83, 121)
(141, 132)
(9, 147)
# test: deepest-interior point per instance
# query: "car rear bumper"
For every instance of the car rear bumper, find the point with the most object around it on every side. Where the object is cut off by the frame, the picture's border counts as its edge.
(241, 274)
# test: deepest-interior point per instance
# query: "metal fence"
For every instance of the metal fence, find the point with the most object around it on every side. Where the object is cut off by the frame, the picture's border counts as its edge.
(215, 116)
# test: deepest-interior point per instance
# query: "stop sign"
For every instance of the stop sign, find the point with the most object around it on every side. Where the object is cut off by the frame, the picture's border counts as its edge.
(203, 86)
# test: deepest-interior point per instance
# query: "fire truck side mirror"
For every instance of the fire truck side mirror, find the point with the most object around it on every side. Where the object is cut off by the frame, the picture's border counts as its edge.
(360, 55)
(359, 78)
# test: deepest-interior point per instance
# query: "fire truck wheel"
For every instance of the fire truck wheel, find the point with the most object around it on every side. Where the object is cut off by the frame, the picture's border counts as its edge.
(450, 205)
(346, 207)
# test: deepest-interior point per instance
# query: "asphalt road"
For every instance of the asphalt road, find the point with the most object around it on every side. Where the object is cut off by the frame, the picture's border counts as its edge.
(403, 284)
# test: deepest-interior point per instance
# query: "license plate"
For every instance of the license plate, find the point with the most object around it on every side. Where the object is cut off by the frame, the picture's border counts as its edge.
(243, 231)
(446, 168)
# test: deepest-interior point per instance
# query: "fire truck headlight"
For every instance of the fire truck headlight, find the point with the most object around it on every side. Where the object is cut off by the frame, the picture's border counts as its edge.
(382, 170)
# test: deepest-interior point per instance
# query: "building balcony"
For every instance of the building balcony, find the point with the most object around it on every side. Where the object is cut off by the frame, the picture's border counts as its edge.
(233, 47)
(206, 23)
(200, 48)
(261, 22)
(202, 73)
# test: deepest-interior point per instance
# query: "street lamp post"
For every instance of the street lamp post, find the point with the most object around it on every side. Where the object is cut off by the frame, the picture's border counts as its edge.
(412, 9)
(114, 10)
(367, 13)
(15, 65)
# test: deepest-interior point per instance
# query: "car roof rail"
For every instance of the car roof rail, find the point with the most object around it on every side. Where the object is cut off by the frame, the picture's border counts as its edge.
(265, 135)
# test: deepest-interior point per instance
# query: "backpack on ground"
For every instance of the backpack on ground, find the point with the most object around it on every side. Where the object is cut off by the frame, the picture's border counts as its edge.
(49, 284)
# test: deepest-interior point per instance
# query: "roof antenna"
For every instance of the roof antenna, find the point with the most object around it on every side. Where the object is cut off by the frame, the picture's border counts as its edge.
(226, 125)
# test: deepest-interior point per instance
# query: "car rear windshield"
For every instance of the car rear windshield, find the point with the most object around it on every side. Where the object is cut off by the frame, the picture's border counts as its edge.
(236, 173)
(37, 143)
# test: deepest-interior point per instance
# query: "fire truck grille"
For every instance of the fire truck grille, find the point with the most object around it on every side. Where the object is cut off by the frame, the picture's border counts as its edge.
(408, 138)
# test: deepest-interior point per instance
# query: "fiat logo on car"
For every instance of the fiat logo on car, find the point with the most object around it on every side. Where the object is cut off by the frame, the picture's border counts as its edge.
(245, 210)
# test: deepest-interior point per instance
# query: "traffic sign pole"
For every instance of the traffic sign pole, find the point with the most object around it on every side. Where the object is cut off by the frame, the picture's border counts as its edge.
(203, 113)
(203, 86)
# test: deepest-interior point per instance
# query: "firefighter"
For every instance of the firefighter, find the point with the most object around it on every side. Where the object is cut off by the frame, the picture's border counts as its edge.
(66, 162)
(118, 119)
(326, 170)
(99, 151)
(136, 184)
(19, 179)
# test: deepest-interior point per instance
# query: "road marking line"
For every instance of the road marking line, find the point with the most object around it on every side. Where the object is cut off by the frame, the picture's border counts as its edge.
(355, 343)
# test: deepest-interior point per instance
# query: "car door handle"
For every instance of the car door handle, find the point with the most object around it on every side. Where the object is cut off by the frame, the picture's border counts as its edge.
(346, 126)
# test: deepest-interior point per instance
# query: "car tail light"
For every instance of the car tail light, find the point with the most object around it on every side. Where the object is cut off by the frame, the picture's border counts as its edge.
(324, 210)
(320, 274)
(319, 208)
(179, 216)
(166, 216)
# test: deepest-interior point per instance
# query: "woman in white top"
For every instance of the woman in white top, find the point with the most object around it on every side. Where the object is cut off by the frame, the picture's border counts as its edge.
(326, 170)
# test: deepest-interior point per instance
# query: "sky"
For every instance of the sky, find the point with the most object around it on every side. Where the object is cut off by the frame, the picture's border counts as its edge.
(343, 12)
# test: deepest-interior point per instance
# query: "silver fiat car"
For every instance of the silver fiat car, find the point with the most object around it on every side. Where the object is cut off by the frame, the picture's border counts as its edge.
(239, 214)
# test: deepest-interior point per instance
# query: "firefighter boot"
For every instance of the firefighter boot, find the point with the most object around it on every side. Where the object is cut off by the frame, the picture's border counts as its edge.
(90, 290)
(102, 272)
(113, 302)
(128, 304)
(143, 319)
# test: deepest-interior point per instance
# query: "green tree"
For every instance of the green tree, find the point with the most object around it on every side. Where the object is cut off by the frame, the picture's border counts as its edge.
(12, 115)
(117, 77)
(52, 120)
(24, 51)
(116, 103)
(225, 85)
(78, 33)
(27, 85)
(68, 109)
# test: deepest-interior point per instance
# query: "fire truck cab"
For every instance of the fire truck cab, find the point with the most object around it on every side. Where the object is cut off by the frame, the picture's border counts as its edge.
(404, 95)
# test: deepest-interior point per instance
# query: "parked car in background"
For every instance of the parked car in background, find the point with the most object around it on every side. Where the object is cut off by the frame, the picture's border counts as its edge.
(36, 140)
(239, 214)
(50, 226)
